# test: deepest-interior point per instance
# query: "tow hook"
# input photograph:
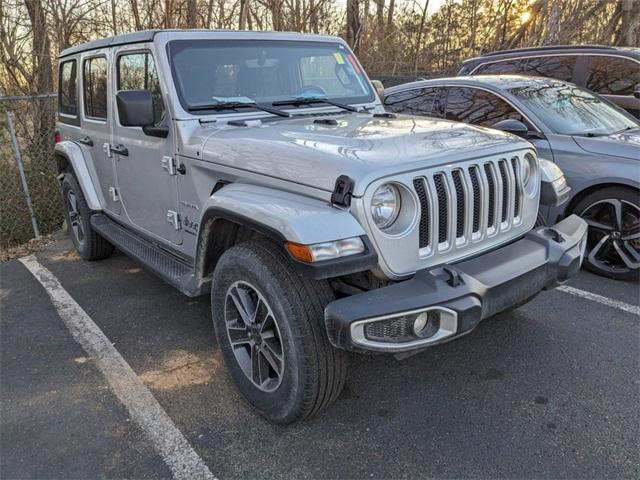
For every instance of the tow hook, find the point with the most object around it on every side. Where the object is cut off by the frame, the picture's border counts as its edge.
(454, 277)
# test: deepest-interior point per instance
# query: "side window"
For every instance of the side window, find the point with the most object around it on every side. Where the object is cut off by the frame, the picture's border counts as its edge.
(421, 101)
(67, 88)
(612, 75)
(95, 87)
(556, 66)
(478, 107)
(504, 67)
(137, 71)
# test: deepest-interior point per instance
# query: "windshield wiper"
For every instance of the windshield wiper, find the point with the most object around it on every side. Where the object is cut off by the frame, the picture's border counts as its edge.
(309, 100)
(236, 105)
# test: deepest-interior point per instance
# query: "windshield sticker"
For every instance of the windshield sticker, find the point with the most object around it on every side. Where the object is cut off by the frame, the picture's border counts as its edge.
(339, 58)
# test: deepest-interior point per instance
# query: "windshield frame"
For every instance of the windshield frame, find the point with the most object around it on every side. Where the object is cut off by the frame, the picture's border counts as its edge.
(543, 122)
(370, 99)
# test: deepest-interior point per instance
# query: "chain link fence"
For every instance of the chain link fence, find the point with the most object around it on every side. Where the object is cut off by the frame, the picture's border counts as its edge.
(28, 124)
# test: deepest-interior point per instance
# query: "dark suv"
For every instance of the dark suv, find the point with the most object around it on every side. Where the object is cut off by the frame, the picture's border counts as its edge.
(613, 72)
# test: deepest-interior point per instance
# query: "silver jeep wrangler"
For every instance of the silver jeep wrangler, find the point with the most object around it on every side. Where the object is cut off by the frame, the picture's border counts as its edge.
(262, 169)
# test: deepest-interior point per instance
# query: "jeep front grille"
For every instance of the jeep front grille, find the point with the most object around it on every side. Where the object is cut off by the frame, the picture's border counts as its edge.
(473, 201)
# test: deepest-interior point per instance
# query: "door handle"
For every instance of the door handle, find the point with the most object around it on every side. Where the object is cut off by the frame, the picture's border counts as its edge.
(120, 150)
(86, 141)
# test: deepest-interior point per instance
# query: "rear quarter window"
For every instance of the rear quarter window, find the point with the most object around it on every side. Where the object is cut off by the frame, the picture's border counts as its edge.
(612, 75)
(420, 101)
(67, 88)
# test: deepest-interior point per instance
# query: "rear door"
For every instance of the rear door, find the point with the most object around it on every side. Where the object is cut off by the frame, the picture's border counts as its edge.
(146, 173)
(96, 133)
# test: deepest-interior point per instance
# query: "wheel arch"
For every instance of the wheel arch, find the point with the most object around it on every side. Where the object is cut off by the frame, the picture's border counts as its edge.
(69, 158)
(582, 194)
(239, 212)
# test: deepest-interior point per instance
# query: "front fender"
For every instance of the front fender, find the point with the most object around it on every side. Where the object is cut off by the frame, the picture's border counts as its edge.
(73, 154)
(289, 216)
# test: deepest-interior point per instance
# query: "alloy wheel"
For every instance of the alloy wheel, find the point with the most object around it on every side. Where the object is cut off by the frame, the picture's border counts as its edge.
(614, 235)
(254, 336)
(75, 219)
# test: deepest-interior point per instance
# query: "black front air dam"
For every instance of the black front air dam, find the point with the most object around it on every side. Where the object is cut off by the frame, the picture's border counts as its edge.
(475, 289)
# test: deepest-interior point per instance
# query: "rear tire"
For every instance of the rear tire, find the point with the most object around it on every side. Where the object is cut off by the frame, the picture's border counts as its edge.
(305, 373)
(88, 243)
(610, 250)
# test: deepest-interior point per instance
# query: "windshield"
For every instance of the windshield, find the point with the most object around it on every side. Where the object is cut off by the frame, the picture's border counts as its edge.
(570, 110)
(214, 72)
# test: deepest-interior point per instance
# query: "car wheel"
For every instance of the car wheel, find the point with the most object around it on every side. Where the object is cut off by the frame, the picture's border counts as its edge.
(269, 323)
(613, 244)
(89, 244)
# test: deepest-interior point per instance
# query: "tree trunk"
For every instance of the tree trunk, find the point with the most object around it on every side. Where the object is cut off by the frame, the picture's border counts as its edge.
(354, 24)
(192, 14)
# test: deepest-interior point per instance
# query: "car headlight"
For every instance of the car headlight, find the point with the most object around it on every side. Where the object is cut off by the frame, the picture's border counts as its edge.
(385, 205)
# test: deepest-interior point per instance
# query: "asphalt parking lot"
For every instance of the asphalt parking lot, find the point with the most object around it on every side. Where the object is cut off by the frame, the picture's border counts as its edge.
(549, 391)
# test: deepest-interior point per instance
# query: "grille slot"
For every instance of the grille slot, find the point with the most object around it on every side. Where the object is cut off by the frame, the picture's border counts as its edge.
(443, 207)
(518, 192)
(492, 194)
(418, 184)
(475, 184)
(460, 206)
(505, 190)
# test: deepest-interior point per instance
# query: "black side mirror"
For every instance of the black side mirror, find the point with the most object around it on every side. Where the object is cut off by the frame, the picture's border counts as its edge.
(135, 108)
(636, 91)
(511, 125)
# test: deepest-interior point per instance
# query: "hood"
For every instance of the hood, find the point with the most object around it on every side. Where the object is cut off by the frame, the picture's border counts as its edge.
(625, 144)
(362, 146)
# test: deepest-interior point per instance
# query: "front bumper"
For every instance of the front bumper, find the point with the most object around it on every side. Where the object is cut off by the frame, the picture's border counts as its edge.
(463, 294)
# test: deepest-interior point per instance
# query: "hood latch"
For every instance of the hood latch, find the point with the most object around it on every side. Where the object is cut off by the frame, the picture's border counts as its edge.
(342, 192)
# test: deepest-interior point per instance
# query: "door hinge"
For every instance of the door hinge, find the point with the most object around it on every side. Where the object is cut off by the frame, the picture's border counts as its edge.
(174, 219)
(106, 148)
(115, 194)
(169, 164)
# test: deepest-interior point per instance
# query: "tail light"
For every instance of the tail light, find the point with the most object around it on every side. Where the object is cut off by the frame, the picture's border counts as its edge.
(57, 138)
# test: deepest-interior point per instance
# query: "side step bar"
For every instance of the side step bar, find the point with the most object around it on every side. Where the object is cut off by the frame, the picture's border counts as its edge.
(170, 268)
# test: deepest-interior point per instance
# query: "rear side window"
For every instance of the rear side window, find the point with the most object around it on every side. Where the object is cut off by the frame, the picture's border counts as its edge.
(421, 101)
(556, 66)
(612, 75)
(478, 107)
(95, 87)
(67, 88)
(504, 67)
(137, 71)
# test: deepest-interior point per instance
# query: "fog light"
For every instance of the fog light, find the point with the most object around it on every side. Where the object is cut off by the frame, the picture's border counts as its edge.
(420, 323)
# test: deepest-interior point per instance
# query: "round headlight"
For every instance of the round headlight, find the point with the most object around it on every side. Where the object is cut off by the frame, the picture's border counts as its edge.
(385, 205)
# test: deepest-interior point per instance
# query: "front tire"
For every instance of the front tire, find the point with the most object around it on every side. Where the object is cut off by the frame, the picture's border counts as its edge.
(613, 244)
(269, 323)
(88, 243)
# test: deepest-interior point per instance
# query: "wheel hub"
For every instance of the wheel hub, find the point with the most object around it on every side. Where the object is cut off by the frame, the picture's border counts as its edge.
(614, 233)
(254, 336)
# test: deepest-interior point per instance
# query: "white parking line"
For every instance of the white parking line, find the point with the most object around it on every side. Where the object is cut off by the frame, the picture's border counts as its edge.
(609, 302)
(144, 409)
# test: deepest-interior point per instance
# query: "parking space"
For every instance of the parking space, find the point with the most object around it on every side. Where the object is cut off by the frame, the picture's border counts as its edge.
(550, 390)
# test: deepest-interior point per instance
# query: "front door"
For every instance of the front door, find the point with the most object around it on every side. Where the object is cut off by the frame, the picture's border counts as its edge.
(144, 167)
